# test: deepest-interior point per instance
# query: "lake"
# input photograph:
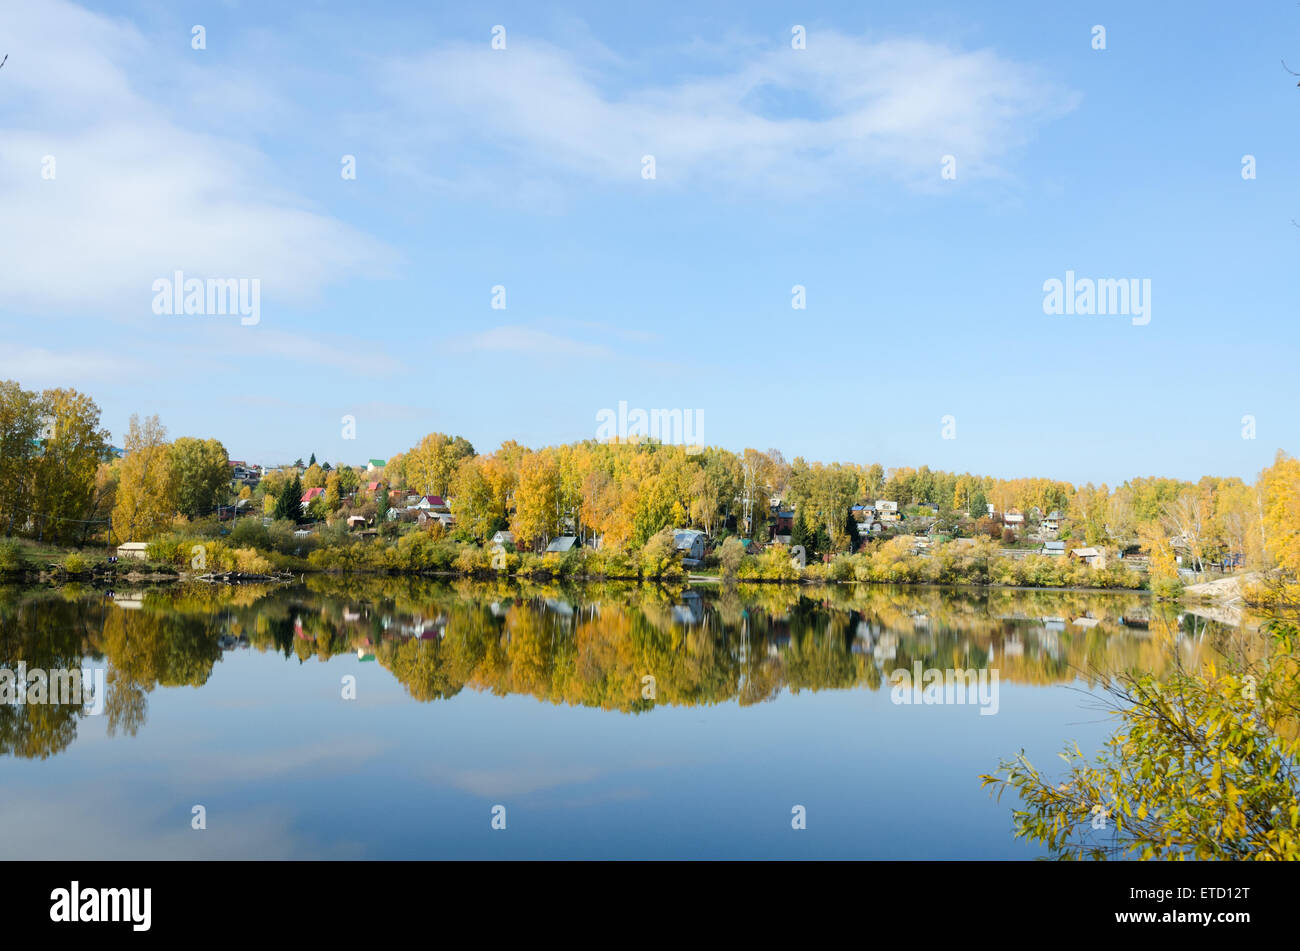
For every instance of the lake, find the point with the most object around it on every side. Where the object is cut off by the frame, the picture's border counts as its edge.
(346, 718)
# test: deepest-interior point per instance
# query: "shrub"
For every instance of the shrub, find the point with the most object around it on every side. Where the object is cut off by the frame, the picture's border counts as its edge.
(76, 564)
(609, 563)
(773, 564)
(250, 561)
(841, 569)
(730, 557)
(11, 556)
(659, 556)
(473, 561)
(250, 533)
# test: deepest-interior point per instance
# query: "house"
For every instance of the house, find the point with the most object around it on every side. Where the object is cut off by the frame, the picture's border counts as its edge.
(425, 517)
(356, 521)
(992, 509)
(563, 543)
(375, 464)
(134, 550)
(373, 487)
(1052, 522)
(1014, 519)
(888, 511)
(691, 544)
(503, 538)
(1093, 557)
(243, 473)
(310, 496)
(431, 503)
(1053, 548)
(784, 521)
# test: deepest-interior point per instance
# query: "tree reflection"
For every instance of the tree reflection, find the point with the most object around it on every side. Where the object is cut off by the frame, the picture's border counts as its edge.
(607, 646)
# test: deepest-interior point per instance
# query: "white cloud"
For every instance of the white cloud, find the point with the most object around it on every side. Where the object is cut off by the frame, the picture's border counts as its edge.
(828, 116)
(138, 192)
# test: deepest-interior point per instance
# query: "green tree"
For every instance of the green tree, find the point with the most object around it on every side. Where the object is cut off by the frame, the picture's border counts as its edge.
(288, 505)
(201, 469)
(20, 429)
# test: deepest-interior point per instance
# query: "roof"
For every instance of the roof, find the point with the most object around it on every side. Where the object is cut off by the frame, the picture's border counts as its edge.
(133, 546)
(311, 494)
(373, 486)
(685, 537)
(1054, 546)
(563, 543)
(378, 463)
(1056, 514)
(1086, 552)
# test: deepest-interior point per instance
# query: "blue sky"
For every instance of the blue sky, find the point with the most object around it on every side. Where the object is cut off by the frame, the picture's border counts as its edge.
(774, 167)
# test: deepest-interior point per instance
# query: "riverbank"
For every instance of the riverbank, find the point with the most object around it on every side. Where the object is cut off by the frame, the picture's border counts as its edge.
(177, 557)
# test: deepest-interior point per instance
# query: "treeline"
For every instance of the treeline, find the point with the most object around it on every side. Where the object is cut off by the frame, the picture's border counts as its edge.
(61, 482)
(56, 483)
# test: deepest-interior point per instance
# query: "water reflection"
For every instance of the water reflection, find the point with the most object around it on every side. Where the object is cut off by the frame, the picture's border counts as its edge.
(598, 646)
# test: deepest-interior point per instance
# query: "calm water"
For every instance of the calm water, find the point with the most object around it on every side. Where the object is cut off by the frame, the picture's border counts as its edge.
(469, 697)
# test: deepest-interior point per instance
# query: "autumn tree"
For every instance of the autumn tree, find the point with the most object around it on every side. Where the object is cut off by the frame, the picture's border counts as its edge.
(146, 490)
(314, 476)
(537, 501)
(1201, 767)
(63, 474)
(430, 466)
